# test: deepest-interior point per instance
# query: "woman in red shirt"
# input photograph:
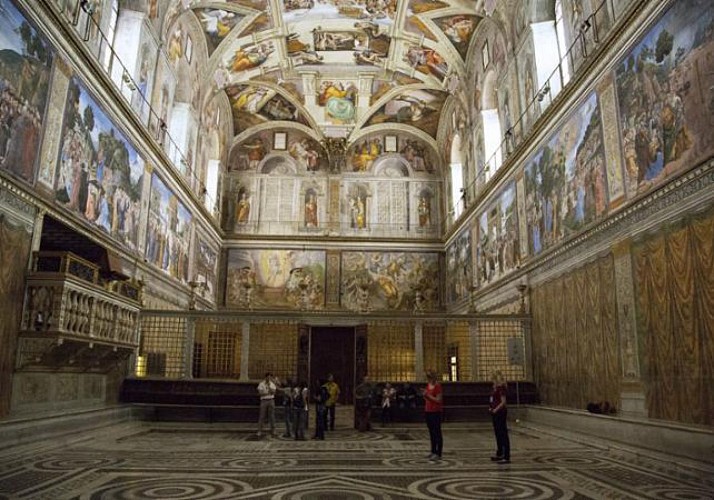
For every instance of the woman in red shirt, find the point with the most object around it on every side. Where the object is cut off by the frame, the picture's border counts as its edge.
(499, 413)
(433, 407)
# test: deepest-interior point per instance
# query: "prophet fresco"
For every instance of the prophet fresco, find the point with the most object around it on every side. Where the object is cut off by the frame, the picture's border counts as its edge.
(419, 108)
(390, 281)
(427, 61)
(100, 173)
(497, 251)
(338, 99)
(247, 58)
(566, 187)
(459, 29)
(264, 278)
(665, 109)
(253, 105)
(168, 232)
(25, 64)
(217, 24)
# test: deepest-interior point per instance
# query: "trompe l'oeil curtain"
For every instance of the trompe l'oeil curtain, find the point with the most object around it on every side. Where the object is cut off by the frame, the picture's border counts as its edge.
(14, 249)
(674, 282)
(575, 347)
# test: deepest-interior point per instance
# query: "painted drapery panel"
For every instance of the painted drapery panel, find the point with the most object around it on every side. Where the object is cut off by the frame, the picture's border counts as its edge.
(666, 96)
(674, 282)
(459, 268)
(25, 64)
(497, 250)
(14, 252)
(390, 281)
(169, 231)
(566, 186)
(575, 341)
(100, 173)
(266, 278)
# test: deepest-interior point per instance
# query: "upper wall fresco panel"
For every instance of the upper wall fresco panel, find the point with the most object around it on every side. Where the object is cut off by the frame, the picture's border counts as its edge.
(100, 173)
(25, 66)
(665, 89)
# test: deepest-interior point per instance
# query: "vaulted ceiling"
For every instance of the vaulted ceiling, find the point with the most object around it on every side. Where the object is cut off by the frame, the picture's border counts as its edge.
(332, 66)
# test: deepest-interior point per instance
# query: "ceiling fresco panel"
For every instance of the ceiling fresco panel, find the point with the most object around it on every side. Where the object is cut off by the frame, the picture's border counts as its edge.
(418, 108)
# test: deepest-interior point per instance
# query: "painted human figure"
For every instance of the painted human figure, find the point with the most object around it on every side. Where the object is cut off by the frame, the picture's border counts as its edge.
(243, 209)
(311, 210)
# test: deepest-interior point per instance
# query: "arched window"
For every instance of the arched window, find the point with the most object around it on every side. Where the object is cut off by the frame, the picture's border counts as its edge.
(106, 50)
(457, 177)
(552, 65)
(491, 142)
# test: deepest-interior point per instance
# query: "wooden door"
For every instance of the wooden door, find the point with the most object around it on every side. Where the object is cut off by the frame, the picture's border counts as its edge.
(332, 350)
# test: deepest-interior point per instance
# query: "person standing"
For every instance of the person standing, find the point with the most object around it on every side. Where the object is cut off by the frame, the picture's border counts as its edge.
(333, 391)
(433, 408)
(320, 410)
(389, 395)
(363, 405)
(266, 391)
(300, 401)
(288, 407)
(497, 409)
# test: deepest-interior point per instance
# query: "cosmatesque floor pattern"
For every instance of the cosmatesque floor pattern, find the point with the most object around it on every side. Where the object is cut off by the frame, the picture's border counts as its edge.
(147, 460)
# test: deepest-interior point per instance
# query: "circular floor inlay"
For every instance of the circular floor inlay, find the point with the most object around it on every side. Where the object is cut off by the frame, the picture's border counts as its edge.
(170, 487)
(474, 488)
(329, 493)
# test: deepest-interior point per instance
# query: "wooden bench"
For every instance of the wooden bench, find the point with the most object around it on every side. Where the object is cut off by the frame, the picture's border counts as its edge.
(463, 401)
(192, 400)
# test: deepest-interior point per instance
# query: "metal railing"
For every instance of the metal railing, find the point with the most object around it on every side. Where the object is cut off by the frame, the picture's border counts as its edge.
(80, 14)
(591, 31)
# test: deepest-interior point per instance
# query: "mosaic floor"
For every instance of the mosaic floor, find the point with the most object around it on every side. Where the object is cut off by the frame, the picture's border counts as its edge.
(209, 461)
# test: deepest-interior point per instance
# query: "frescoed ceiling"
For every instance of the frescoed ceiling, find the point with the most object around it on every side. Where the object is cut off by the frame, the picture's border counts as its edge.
(335, 66)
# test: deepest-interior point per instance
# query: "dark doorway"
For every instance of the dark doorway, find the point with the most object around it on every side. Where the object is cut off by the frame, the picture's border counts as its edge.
(332, 350)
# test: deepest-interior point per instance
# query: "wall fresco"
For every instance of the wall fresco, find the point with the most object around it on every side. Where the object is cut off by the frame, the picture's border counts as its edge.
(169, 231)
(497, 248)
(666, 96)
(205, 266)
(263, 278)
(390, 281)
(566, 187)
(459, 268)
(375, 148)
(100, 173)
(25, 65)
